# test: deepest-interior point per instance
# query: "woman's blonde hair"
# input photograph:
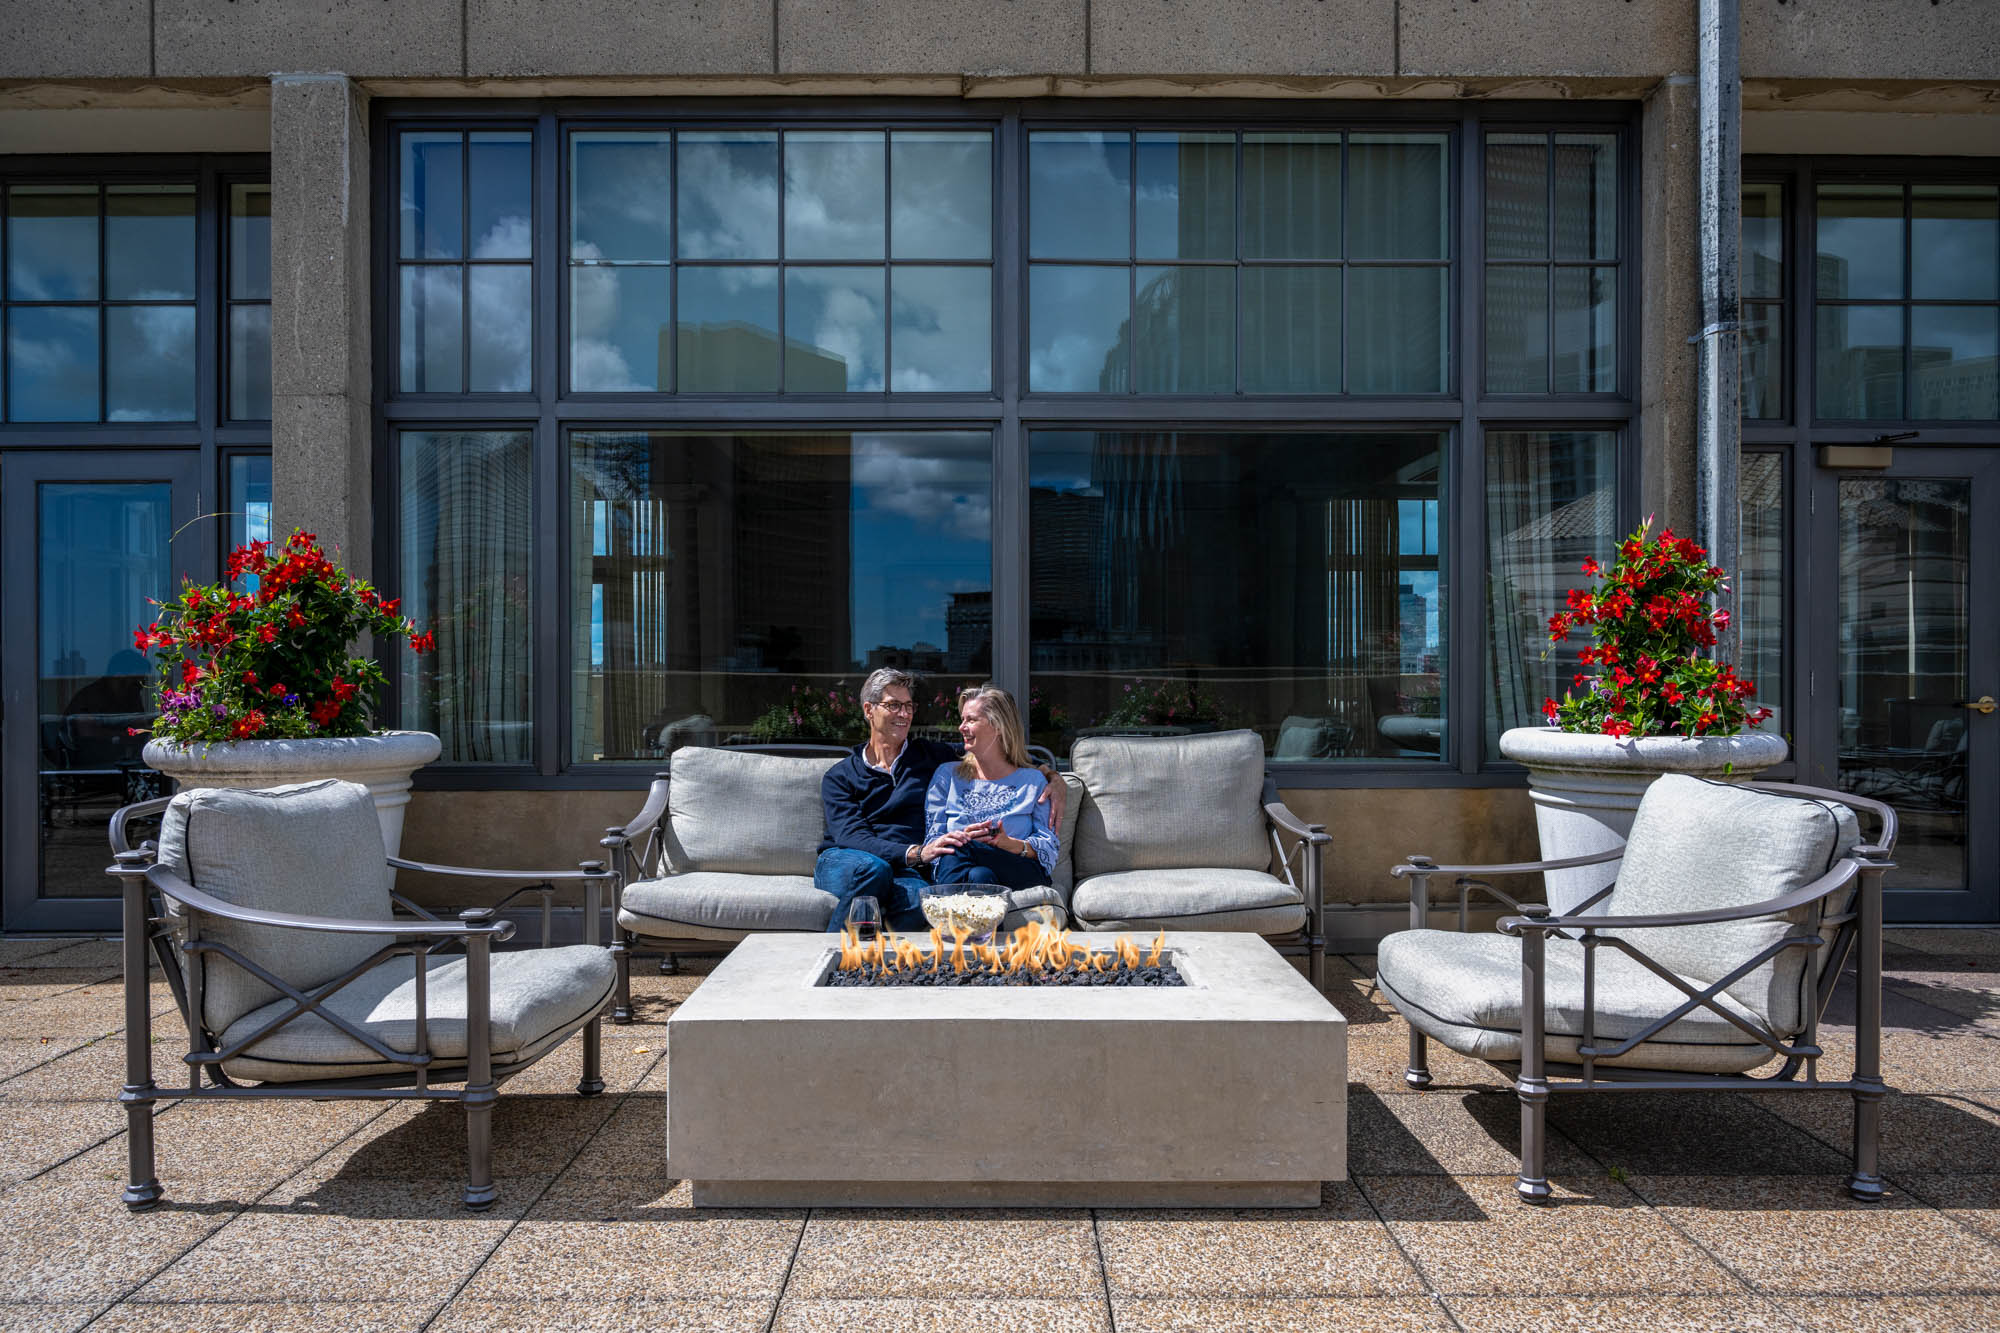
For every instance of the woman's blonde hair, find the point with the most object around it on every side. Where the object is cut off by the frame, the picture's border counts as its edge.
(998, 707)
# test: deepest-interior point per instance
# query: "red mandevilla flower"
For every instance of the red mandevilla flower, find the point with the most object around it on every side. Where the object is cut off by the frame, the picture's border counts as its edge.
(1649, 619)
(239, 653)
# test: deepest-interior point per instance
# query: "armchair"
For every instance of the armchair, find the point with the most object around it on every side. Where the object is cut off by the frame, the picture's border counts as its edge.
(273, 919)
(1713, 954)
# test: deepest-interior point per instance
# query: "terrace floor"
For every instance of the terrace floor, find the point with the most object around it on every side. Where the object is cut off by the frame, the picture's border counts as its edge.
(1722, 1211)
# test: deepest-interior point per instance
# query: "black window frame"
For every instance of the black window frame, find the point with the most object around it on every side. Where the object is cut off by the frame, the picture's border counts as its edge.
(1010, 412)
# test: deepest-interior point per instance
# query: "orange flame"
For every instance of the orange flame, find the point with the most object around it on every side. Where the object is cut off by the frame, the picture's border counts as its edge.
(1159, 947)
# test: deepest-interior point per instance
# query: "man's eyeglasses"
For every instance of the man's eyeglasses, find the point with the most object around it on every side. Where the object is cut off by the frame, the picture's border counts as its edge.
(897, 705)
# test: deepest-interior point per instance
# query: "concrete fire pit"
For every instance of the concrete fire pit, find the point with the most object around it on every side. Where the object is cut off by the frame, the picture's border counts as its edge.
(1228, 1092)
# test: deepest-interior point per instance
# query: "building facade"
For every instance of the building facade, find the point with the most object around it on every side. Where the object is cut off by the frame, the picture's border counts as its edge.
(1271, 364)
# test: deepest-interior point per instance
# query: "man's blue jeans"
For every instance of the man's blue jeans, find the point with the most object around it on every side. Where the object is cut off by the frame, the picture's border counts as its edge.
(848, 874)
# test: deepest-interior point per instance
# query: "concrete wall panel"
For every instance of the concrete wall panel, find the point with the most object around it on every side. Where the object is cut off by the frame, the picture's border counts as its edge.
(612, 37)
(1372, 830)
(529, 830)
(930, 36)
(1486, 38)
(1278, 37)
(59, 39)
(1670, 300)
(1871, 39)
(363, 38)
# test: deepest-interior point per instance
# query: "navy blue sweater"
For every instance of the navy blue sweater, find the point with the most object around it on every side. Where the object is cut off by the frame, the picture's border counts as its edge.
(868, 810)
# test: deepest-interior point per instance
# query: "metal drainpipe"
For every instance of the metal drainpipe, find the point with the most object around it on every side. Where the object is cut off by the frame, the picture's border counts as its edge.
(1718, 455)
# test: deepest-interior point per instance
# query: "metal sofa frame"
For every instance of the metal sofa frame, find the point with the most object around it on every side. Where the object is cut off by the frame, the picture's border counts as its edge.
(148, 888)
(1857, 926)
(635, 852)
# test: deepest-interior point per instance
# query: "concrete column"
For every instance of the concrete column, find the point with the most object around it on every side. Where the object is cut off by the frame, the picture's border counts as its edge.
(1670, 301)
(322, 428)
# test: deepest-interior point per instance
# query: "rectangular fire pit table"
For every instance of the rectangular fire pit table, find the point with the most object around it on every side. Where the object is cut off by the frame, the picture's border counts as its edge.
(1228, 1092)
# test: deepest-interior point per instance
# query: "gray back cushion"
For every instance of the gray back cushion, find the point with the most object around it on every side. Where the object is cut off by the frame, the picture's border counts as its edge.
(1170, 802)
(729, 810)
(310, 849)
(1063, 877)
(1698, 845)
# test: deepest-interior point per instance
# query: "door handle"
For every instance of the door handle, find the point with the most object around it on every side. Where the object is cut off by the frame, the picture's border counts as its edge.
(1983, 704)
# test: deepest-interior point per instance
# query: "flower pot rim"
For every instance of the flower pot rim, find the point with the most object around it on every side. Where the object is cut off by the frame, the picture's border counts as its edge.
(377, 749)
(1553, 747)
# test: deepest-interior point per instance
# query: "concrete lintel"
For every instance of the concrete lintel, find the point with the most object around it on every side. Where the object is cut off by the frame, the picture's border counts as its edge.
(1932, 96)
(133, 130)
(600, 37)
(1302, 37)
(903, 36)
(134, 94)
(1871, 39)
(1538, 38)
(216, 37)
(1917, 135)
(53, 39)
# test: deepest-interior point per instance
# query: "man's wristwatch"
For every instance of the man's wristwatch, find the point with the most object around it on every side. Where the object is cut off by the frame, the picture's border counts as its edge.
(915, 855)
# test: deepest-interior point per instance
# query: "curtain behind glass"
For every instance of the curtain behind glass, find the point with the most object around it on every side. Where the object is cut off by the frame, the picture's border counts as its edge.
(465, 574)
(1551, 503)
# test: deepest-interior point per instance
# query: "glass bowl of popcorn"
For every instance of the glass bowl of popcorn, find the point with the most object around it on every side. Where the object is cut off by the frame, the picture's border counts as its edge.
(976, 909)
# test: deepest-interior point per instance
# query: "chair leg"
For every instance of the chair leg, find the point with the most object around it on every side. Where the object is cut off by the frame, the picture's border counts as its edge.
(1418, 1075)
(593, 1059)
(480, 1094)
(142, 1188)
(480, 1192)
(1866, 1182)
(621, 955)
(1533, 1185)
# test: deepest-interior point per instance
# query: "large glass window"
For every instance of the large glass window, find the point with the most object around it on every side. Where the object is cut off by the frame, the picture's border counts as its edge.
(1552, 249)
(738, 586)
(465, 574)
(1760, 585)
(1763, 288)
(1907, 285)
(465, 315)
(1184, 581)
(1551, 504)
(249, 302)
(781, 261)
(1141, 280)
(99, 302)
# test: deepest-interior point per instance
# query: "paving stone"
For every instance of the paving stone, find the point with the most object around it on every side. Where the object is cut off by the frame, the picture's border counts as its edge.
(1920, 1131)
(270, 1316)
(39, 952)
(74, 1013)
(1445, 1133)
(1378, 1053)
(332, 1238)
(945, 1254)
(626, 1061)
(1472, 1235)
(558, 1251)
(18, 1055)
(1971, 1200)
(1803, 1235)
(602, 1316)
(1896, 1314)
(1643, 1314)
(35, 1136)
(532, 1135)
(879, 1315)
(1335, 1314)
(36, 1317)
(80, 1070)
(108, 955)
(1971, 943)
(1339, 1247)
(634, 1139)
(40, 983)
(1693, 1133)
(65, 1238)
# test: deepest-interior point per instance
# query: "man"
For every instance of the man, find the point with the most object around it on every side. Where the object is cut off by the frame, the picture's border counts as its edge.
(874, 801)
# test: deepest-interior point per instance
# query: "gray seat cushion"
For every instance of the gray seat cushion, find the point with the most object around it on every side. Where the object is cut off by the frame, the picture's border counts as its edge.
(732, 811)
(1171, 802)
(1697, 845)
(1465, 991)
(1246, 900)
(539, 996)
(308, 849)
(712, 906)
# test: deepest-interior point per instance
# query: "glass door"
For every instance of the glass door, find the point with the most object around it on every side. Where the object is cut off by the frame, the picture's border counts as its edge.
(89, 538)
(1909, 667)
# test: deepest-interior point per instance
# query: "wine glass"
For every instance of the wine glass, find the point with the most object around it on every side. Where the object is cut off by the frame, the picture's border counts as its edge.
(864, 918)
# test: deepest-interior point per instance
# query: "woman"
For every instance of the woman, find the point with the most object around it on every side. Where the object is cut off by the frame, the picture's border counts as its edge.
(984, 818)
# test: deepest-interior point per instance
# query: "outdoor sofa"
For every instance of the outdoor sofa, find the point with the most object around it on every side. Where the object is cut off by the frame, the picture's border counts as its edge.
(1174, 832)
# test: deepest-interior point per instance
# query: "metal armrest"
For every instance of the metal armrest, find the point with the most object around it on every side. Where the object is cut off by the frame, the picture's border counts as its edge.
(125, 814)
(1842, 873)
(649, 816)
(1281, 815)
(1423, 865)
(178, 889)
(587, 870)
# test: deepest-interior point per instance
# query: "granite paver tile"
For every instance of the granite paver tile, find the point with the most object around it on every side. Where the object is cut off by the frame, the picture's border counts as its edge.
(1804, 1235)
(633, 1138)
(1895, 1314)
(36, 1317)
(65, 1237)
(532, 1135)
(1378, 1053)
(1643, 1314)
(70, 1014)
(142, 1316)
(1338, 1248)
(80, 1070)
(1471, 1235)
(266, 1139)
(944, 1254)
(94, 953)
(1707, 1132)
(1955, 1058)
(1920, 1131)
(35, 1136)
(879, 1315)
(1444, 1132)
(1972, 1200)
(1300, 1313)
(559, 1250)
(1971, 943)
(18, 984)
(1971, 992)
(331, 1238)
(602, 1316)
(625, 1062)
(38, 952)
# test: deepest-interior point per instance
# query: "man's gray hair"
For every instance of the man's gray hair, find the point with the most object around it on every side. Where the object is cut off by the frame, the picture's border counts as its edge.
(881, 678)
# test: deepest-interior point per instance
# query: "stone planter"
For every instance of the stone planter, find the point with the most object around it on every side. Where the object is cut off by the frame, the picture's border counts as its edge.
(1587, 786)
(382, 762)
